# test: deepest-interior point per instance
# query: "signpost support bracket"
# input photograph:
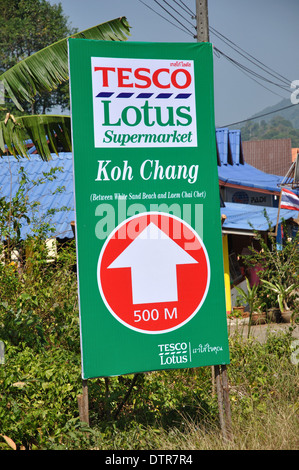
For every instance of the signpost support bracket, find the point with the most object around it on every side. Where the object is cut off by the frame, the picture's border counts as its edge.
(223, 400)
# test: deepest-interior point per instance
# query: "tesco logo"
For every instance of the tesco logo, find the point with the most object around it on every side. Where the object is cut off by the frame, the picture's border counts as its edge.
(142, 77)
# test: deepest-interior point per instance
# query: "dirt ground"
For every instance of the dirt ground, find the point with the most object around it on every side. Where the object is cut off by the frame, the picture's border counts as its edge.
(260, 332)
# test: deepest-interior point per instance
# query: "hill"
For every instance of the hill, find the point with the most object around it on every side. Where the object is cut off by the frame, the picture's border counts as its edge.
(276, 128)
(290, 113)
(274, 123)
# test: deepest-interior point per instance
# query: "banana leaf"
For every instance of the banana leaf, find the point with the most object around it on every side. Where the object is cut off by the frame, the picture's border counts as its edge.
(47, 68)
(48, 133)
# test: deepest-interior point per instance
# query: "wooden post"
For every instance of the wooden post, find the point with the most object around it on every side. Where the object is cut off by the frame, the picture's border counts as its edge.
(226, 401)
(223, 401)
(220, 399)
(83, 403)
(213, 381)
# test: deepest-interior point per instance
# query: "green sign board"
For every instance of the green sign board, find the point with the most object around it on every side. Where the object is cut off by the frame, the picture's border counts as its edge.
(149, 246)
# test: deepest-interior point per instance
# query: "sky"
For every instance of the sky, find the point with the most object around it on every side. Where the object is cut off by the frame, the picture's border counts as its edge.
(266, 29)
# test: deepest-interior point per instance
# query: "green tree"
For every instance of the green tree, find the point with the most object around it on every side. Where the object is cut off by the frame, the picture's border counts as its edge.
(42, 72)
(26, 26)
(277, 128)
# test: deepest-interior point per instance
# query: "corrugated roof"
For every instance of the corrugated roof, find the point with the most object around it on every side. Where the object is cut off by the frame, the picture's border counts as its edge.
(43, 193)
(247, 175)
(229, 147)
(253, 217)
(232, 167)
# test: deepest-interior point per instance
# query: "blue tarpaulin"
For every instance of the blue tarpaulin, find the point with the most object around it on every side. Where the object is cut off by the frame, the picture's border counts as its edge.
(253, 217)
(247, 175)
(234, 170)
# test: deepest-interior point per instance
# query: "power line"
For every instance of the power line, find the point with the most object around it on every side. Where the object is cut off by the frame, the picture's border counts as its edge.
(244, 67)
(260, 115)
(190, 11)
(171, 15)
(254, 61)
(253, 75)
(173, 24)
(246, 70)
(179, 13)
(185, 9)
(278, 74)
(231, 44)
(260, 84)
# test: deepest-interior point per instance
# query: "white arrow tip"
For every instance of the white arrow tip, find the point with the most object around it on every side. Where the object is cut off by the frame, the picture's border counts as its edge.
(152, 232)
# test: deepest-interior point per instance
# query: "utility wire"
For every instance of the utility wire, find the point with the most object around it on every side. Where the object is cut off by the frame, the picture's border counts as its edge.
(251, 77)
(179, 13)
(227, 41)
(161, 6)
(244, 67)
(190, 11)
(260, 115)
(260, 84)
(173, 24)
(230, 43)
(248, 56)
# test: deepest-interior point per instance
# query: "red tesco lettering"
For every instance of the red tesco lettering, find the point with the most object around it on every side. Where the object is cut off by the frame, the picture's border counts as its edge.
(142, 78)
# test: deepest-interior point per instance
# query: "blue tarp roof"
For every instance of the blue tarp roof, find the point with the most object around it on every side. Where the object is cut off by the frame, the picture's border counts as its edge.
(247, 175)
(232, 168)
(253, 217)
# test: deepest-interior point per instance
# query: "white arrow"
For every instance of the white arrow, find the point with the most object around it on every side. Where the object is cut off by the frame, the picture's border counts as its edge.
(153, 257)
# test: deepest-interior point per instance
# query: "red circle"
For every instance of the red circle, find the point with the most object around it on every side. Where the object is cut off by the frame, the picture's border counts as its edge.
(192, 279)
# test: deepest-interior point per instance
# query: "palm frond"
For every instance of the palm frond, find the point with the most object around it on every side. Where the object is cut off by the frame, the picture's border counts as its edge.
(47, 68)
(48, 133)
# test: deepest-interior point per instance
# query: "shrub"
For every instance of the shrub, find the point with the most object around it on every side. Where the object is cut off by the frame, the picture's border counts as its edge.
(38, 394)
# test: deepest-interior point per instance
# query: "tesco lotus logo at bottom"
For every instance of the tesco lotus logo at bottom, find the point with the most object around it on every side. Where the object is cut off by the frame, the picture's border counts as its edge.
(143, 102)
